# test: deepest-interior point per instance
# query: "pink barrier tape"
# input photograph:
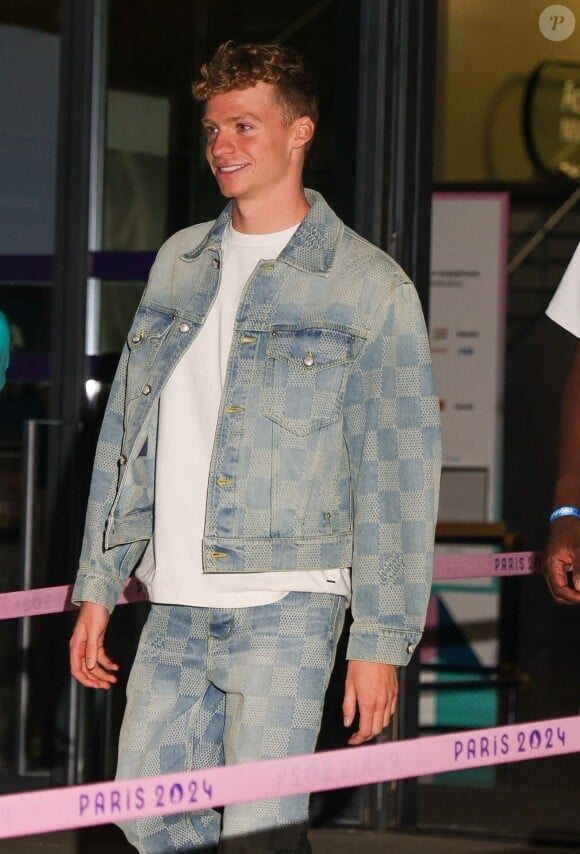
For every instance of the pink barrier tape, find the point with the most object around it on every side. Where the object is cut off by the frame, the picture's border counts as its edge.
(55, 600)
(473, 565)
(102, 803)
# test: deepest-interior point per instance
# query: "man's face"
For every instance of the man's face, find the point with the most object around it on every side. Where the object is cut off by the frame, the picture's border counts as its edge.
(249, 149)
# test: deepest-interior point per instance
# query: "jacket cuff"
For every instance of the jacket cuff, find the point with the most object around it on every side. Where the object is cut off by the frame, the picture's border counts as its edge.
(98, 587)
(388, 647)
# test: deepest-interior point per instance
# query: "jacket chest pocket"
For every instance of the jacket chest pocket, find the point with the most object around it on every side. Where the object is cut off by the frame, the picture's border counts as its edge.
(306, 374)
(146, 335)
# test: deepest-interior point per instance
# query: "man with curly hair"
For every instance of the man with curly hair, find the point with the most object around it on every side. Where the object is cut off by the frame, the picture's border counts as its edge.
(269, 454)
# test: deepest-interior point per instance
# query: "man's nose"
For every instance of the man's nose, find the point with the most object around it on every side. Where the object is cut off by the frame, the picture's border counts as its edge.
(221, 143)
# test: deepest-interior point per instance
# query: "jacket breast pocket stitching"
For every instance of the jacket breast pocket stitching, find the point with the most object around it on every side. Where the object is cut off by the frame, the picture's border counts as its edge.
(326, 347)
(306, 376)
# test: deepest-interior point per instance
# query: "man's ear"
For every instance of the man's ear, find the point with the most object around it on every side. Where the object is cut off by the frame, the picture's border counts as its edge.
(304, 131)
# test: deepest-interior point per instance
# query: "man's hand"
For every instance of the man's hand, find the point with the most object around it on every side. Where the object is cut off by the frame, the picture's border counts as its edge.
(563, 555)
(89, 663)
(373, 688)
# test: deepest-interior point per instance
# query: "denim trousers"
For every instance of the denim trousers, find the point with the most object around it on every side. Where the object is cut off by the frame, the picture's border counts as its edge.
(213, 686)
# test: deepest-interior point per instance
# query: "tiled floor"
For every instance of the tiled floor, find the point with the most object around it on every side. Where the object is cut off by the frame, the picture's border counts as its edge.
(108, 840)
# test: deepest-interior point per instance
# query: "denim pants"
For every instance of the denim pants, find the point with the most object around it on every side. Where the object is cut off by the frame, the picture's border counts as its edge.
(210, 686)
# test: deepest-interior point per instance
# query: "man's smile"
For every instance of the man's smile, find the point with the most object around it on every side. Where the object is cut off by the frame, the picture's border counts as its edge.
(228, 169)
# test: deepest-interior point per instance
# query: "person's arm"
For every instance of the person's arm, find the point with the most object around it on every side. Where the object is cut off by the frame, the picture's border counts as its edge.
(563, 546)
(89, 663)
(393, 435)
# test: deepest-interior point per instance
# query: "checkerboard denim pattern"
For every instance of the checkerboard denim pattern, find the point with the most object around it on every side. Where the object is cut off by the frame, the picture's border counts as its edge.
(327, 447)
(238, 685)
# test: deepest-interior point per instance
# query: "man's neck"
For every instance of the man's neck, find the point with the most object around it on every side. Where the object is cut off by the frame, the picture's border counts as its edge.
(256, 217)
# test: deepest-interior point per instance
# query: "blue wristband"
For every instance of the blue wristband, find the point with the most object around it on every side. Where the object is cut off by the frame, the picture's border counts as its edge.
(564, 511)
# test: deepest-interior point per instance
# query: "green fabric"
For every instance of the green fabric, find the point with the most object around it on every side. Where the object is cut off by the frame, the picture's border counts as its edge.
(4, 348)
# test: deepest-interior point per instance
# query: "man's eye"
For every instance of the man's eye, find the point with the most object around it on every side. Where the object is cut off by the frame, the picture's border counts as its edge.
(244, 128)
(209, 131)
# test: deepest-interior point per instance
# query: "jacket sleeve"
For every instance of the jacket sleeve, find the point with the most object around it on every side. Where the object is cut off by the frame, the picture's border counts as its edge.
(102, 573)
(393, 435)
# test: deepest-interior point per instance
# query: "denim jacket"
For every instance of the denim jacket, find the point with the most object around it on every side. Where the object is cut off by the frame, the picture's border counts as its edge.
(327, 446)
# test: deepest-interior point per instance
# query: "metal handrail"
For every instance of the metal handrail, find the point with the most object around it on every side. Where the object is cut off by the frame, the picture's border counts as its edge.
(30, 448)
(543, 232)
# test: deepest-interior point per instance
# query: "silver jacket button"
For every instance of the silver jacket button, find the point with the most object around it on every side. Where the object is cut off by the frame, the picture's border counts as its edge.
(410, 648)
(122, 460)
(184, 327)
(308, 359)
(137, 337)
(146, 389)
(216, 263)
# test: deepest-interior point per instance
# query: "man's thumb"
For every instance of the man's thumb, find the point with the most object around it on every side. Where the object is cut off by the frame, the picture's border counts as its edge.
(91, 656)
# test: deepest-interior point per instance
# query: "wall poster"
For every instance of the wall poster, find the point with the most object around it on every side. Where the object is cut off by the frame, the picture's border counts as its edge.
(467, 333)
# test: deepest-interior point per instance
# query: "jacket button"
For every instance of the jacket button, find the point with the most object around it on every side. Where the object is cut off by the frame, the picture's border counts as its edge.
(308, 359)
(225, 481)
(122, 460)
(146, 389)
(410, 648)
(137, 337)
(216, 263)
(184, 327)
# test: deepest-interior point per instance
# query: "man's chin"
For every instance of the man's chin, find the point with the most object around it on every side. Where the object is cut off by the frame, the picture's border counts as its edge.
(227, 191)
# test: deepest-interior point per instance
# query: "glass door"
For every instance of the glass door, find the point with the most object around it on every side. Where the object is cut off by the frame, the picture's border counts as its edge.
(29, 87)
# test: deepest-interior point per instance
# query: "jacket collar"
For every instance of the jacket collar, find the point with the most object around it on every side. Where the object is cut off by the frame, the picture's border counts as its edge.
(312, 247)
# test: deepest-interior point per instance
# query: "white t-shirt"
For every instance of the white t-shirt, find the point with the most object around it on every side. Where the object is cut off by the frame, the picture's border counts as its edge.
(188, 413)
(564, 307)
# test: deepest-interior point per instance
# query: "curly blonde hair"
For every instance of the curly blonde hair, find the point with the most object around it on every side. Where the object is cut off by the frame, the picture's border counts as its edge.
(241, 66)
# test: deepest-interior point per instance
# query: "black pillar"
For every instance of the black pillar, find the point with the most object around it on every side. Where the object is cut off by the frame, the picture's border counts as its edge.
(71, 271)
(395, 139)
(70, 455)
(393, 196)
